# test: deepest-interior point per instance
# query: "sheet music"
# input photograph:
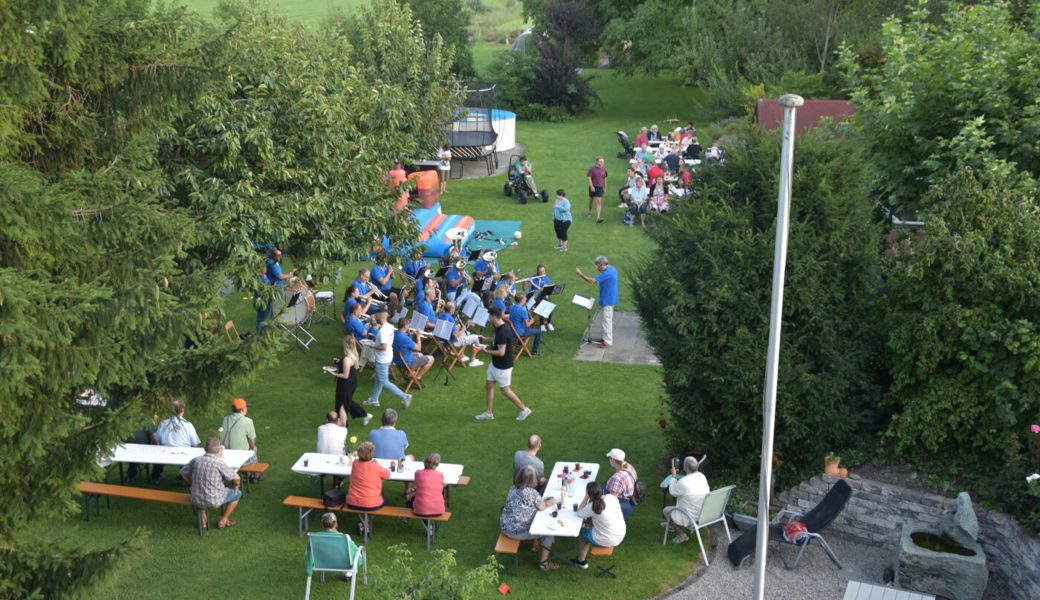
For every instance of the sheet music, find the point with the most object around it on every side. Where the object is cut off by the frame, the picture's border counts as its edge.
(544, 309)
(583, 301)
(531, 301)
(443, 329)
(480, 318)
(400, 315)
(470, 304)
(419, 321)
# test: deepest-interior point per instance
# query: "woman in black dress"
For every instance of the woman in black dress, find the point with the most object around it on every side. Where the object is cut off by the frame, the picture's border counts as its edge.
(346, 382)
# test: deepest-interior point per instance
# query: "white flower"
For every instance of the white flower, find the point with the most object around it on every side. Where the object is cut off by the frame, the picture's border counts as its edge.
(1033, 477)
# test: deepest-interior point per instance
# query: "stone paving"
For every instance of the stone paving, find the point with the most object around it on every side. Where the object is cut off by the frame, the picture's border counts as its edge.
(630, 345)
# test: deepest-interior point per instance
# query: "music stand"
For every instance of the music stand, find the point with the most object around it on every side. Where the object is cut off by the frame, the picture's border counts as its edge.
(586, 303)
(478, 286)
(474, 254)
(441, 272)
(447, 344)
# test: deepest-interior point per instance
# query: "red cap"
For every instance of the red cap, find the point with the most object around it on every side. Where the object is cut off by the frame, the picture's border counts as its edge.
(238, 403)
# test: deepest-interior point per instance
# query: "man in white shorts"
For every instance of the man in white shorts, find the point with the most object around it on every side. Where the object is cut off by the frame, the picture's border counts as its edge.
(500, 371)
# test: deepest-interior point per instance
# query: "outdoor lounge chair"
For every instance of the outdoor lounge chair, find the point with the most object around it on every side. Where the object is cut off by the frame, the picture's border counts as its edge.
(712, 511)
(816, 520)
(332, 552)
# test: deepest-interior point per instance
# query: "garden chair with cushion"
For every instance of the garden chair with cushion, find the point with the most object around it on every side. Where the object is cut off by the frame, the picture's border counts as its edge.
(815, 521)
(334, 552)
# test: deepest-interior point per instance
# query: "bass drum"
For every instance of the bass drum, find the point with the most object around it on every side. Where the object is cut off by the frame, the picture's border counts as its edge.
(299, 303)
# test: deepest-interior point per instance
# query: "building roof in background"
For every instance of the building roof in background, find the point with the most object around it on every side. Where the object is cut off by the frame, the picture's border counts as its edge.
(770, 115)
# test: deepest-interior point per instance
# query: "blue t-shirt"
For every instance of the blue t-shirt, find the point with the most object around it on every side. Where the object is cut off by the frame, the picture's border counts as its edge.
(274, 273)
(404, 344)
(355, 326)
(500, 304)
(450, 276)
(562, 209)
(540, 280)
(379, 272)
(482, 269)
(608, 286)
(518, 315)
(362, 287)
(390, 443)
(412, 268)
(425, 308)
(347, 305)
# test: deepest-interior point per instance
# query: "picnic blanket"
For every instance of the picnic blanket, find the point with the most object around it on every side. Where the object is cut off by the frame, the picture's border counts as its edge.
(492, 235)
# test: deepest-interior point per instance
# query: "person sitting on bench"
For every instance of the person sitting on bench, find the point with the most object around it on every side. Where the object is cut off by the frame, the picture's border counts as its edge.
(206, 475)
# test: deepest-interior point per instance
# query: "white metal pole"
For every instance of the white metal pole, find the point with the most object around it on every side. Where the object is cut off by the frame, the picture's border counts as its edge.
(783, 214)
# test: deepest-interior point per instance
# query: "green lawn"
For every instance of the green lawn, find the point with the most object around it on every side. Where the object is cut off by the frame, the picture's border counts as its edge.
(581, 410)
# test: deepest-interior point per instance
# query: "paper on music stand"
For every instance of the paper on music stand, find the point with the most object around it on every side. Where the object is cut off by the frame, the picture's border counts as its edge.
(531, 301)
(583, 301)
(480, 318)
(419, 321)
(470, 304)
(544, 309)
(443, 329)
(400, 315)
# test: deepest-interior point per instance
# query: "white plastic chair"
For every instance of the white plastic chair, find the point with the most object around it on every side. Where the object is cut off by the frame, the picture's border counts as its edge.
(712, 511)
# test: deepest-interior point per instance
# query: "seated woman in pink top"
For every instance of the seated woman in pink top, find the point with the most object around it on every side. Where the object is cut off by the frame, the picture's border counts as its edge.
(366, 481)
(427, 497)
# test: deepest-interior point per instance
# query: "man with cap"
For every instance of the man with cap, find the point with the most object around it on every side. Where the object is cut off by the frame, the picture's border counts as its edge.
(608, 296)
(622, 484)
(206, 475)
(237, 432)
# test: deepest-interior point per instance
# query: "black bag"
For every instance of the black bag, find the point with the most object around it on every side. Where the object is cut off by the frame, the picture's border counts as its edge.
(638, 492)
(334, 498)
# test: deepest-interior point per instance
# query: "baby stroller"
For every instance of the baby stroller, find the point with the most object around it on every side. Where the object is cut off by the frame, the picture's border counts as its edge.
(629, 151)
(517, 184)
(714, 156)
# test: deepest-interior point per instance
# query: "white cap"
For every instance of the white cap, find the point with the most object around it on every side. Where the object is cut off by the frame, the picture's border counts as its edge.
(617, 454)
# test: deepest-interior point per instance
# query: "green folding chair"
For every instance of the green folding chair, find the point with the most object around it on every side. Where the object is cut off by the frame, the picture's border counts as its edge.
(333, 552)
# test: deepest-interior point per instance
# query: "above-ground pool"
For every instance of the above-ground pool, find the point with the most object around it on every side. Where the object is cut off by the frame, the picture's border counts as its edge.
(503, 121)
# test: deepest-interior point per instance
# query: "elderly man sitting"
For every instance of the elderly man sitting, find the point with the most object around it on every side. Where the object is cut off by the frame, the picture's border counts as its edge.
(690, 492)
(206, 475)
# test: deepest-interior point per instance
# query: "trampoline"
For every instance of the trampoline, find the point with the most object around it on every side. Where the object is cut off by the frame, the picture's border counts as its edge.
(473, 135)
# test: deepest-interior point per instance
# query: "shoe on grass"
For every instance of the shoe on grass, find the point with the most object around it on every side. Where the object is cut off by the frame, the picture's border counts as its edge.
(407, 400)
(371, 402)
(526, 412)
(476, 363)
(485, 416)
(364, 421)
(680, 538)
(580, 564)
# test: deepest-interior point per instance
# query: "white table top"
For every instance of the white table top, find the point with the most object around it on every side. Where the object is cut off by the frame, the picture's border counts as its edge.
(329, 464)
(566, 523)
(170, 455)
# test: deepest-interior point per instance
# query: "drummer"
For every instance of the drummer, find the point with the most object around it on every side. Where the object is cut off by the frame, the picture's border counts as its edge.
(272, 275)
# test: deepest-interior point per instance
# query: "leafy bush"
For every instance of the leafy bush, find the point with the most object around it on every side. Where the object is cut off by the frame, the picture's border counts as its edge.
(964, 337)
(957, 89)
(707, 314)
(401, 579)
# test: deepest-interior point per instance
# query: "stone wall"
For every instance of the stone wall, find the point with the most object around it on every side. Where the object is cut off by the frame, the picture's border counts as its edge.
(876, 512)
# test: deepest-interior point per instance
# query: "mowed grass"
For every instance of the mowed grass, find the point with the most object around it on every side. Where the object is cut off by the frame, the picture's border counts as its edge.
(581, 410)
(308, 12)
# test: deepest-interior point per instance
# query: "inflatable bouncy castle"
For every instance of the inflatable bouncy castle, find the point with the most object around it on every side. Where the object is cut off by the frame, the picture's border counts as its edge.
(433, 227)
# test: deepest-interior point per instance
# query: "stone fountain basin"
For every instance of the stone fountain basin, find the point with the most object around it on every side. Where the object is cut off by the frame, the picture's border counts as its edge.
(959, 575)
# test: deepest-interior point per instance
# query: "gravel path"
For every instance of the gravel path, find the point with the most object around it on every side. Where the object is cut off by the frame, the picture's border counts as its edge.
(816, 578)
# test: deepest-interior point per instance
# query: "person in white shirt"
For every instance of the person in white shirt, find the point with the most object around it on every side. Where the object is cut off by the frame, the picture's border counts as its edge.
(690, 492)
(332, 436)
(175, 431)
(384, 355)
(608, 523)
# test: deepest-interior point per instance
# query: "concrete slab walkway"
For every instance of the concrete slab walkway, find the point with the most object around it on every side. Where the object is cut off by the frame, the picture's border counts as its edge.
(630, 345)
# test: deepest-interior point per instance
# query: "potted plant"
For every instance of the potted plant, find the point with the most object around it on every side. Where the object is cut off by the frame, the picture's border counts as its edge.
(832, 465)
(743, 506)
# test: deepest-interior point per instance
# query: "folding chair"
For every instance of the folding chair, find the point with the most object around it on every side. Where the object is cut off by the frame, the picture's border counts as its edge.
(229, 329)
(450, 353)
(410, 375)
(712, 511)
(521, 344)
(334, 552)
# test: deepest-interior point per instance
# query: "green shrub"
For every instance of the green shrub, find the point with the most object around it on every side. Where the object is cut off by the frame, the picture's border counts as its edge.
(964, 338)
(706, 311)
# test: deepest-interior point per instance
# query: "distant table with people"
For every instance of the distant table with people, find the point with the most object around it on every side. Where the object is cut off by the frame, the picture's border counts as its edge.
(566, 523)
(336, 465)
(151, 454)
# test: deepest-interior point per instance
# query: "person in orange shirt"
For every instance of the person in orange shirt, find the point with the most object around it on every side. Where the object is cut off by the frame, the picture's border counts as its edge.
(366, 482)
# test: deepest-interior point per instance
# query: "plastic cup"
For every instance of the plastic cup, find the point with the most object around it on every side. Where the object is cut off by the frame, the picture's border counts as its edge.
(306, 462)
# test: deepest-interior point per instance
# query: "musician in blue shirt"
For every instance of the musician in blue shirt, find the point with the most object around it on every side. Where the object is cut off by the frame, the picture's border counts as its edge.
(486, 270)
(538, 282)
(412, 267)
(459, 335)
(607, 280)
(508, 280)
(425, 307)
(522, 322)
(454, 279)
(501, 296)
(354, 325)
(352, 297)
(404, 346)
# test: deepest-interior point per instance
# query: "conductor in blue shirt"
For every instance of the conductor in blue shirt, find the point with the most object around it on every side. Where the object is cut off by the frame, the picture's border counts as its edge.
(607, 280)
